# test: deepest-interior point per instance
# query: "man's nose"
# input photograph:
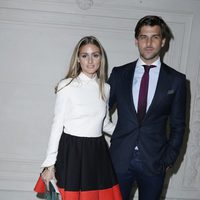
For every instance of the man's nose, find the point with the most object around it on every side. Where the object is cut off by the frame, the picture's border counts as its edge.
(149, 41)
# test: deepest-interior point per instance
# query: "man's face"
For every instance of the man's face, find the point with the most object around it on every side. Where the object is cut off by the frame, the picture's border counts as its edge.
(149, 43)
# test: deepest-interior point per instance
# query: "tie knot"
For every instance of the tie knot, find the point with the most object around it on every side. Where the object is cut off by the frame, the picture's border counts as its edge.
(148, 67)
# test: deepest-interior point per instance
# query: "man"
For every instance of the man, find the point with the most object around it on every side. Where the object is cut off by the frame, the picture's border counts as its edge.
(141, 148)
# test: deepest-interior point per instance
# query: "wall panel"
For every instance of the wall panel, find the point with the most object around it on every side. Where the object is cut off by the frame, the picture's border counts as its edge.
(37, 39)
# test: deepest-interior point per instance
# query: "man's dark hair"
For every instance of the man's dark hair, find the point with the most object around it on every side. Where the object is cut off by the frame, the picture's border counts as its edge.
(152, 20)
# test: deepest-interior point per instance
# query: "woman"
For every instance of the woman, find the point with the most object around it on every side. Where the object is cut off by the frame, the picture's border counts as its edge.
(77, 154)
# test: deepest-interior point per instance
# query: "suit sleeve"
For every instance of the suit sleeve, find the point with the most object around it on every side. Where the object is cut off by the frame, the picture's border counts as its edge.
(112, 83)
(177, 123)
(108, 126)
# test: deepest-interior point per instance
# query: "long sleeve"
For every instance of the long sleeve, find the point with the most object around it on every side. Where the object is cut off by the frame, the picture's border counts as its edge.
(57, 126)
(177, 122)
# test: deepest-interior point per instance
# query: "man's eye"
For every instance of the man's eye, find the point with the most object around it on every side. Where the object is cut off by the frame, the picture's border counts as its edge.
(156, 37)
(142, 37)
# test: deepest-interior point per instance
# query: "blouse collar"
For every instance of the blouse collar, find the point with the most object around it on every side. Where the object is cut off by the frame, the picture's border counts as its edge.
(87, 79)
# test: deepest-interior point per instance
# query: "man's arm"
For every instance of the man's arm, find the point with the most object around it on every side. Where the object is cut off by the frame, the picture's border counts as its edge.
(112, 83)
(177, 122)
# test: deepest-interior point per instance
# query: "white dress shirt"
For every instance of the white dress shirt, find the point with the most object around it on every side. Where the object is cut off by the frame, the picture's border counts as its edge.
(153, 79)
(80, 110)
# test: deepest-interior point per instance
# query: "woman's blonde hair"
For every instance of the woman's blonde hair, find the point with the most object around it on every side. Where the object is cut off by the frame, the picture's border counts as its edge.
(75, 68)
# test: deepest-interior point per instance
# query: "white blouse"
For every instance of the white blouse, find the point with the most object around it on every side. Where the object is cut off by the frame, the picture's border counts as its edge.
(79, 111)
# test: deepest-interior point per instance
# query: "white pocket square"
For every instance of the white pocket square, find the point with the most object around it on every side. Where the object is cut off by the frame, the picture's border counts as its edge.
(170, 92)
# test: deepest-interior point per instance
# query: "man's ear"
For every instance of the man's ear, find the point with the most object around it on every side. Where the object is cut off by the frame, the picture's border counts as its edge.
(163, 42)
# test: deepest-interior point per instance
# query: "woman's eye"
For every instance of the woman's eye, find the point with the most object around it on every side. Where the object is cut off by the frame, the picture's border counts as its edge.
(97, 55)
(83, 56)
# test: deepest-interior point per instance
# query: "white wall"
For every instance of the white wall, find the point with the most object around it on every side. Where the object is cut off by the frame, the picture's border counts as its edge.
(36, 42)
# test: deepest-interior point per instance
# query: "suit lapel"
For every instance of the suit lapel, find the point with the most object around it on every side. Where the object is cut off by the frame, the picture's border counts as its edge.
(161, 89)
(130, 84)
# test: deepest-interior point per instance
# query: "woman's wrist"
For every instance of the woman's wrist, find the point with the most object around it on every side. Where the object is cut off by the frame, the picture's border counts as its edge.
(50, 168)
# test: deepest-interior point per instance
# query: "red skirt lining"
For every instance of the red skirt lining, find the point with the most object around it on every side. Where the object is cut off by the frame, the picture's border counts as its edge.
(104, 194)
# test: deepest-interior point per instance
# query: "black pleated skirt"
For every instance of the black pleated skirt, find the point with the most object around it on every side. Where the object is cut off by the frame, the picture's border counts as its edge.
(84, 169)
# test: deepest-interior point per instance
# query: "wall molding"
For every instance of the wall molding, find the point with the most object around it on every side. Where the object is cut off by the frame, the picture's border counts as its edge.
(66, 14)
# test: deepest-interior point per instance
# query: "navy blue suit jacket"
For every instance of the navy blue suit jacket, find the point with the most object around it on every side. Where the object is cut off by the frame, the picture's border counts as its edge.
(169, 104)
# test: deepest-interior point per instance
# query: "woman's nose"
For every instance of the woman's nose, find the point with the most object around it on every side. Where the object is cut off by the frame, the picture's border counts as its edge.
(90, 59)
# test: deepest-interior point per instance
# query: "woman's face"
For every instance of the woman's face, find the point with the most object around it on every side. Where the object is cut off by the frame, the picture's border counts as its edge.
(89, 59)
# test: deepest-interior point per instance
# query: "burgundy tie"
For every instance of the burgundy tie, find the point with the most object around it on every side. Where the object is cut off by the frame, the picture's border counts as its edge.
(142, 99)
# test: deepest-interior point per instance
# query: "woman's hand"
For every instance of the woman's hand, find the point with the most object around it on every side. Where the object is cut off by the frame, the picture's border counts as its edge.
(48, 174)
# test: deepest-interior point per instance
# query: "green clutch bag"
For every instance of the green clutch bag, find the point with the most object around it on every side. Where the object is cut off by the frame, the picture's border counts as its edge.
(52, 193)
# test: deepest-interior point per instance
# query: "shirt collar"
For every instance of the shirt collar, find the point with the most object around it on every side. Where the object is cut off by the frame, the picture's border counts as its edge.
(140, 68)
(140, 62)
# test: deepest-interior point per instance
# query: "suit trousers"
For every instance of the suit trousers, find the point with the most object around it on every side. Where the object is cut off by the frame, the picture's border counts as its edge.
(149, 187)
